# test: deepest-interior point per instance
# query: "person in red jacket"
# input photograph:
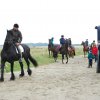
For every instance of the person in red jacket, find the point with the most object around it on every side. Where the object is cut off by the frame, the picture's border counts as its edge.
(95, 51)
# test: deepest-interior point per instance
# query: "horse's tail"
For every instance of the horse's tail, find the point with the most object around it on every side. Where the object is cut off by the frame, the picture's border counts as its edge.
(34, 62)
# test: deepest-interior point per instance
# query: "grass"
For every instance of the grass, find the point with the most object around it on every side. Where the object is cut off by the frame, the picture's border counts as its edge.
(79, 50)
(42, 57)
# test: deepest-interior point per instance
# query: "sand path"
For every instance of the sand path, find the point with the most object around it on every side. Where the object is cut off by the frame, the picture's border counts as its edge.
(57, 81)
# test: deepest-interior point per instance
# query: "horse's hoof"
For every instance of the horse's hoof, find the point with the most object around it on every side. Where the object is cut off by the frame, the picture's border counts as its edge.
(22, 74)
(66, 62)
(1, 79)
(12, 78)
(29, 72)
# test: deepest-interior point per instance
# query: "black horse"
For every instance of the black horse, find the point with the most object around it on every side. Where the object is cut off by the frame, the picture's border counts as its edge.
(64, 51)
(9, 54)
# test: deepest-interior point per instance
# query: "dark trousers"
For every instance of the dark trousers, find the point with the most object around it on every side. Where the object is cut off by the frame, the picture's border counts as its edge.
(90, 63)
(95, 58)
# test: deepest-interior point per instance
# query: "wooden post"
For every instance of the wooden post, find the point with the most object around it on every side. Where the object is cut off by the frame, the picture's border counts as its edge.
(98, 41)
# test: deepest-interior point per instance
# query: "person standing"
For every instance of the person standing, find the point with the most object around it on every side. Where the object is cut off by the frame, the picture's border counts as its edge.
(93, 43)
(90, 58)
(95, 52)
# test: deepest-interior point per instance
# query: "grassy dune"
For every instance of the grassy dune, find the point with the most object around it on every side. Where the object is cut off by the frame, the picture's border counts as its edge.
(42, 57)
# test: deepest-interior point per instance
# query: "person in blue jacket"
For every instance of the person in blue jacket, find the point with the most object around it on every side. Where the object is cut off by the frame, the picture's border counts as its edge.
(62, 40)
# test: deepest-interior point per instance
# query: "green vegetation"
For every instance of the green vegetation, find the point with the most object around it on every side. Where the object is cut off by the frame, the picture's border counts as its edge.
(42, 57)
(79, 50)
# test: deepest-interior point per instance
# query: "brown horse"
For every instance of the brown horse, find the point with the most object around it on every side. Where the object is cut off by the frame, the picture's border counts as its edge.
(71, 51)
(85, 48)
(53, 50)
(50, 48)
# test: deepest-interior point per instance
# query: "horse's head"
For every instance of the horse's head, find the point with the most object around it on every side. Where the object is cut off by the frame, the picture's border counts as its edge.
(82, 43)
(49, 41)
(8, 39)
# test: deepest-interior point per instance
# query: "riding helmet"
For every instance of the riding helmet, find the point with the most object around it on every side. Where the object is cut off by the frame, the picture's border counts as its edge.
(16, 25)
(62, 35)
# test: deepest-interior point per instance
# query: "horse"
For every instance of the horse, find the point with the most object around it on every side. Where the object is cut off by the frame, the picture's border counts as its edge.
(54, 50)
(71, 51)
(85, 48)
(64, 51)
(9, 54)
(49, 48)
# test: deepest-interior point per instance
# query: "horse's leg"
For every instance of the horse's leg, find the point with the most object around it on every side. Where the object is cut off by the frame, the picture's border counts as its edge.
(62, 58)
(84, 52)
(67, 58)
(55, 55)
(74, 53)
(12, 74)
(69, 54)
(22, 70)
(28, 68)
(49, 53)
(2, 71)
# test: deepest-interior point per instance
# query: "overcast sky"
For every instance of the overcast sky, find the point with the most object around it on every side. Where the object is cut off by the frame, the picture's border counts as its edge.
(40, 20)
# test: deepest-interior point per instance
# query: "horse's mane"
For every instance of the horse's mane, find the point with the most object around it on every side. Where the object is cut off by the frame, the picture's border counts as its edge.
(8, 40)
(8, 36)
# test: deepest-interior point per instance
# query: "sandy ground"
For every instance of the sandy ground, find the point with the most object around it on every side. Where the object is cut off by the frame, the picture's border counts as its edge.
(57, 81)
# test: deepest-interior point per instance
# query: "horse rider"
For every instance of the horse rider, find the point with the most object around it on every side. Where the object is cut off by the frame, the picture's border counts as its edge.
(70, 42)
(70, 45)
(17, 38)
(51, 41)
(62, 40)
(86, 43)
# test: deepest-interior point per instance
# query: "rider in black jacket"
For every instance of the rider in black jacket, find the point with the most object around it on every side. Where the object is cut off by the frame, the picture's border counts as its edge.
(17, 38)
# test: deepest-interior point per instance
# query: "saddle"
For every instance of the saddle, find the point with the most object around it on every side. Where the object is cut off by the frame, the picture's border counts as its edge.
(57, 48)
(86, 47)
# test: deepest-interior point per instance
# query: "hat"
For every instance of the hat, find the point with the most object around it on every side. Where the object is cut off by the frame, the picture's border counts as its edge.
(62, 35)
(93, 40)
(16, 25)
